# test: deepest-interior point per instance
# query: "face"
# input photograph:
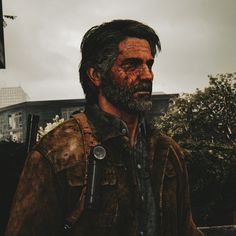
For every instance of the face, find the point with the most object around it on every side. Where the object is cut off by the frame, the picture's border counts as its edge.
(129, 83)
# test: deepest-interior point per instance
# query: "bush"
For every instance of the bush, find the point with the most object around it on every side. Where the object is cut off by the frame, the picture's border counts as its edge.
(204, 124)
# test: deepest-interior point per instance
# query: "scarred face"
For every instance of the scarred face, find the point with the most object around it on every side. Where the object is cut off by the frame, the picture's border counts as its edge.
(134, 62)
(129, 84)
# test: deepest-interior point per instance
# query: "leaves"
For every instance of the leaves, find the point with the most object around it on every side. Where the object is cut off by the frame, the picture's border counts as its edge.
(204, 123)
(50, 126)
(209, 114)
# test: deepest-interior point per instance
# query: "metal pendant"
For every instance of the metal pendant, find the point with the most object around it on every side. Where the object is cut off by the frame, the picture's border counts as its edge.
(99, 152)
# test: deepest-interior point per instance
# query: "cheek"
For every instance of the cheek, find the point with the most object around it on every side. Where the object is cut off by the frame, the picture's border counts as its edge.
(124, 77)
(118, 73)
(133, 76)
(120, 76)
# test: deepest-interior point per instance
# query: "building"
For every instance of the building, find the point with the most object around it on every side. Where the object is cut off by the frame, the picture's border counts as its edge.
(13, 119)
(12, 95)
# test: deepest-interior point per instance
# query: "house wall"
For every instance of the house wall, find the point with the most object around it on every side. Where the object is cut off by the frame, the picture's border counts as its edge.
(13, 119)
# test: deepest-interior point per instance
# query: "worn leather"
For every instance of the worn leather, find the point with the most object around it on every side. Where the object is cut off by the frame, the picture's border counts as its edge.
(53, 177)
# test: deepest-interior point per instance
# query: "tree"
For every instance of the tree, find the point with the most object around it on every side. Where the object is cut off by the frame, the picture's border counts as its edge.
(50, 126)
(204, 124)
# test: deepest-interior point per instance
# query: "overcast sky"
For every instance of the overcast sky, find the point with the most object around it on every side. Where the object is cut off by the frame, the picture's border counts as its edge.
(42, 44)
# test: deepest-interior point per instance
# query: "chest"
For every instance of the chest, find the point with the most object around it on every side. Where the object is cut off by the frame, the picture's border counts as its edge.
(127, 176)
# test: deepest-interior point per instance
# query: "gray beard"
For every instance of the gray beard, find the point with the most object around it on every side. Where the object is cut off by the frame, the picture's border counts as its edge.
(123, 97)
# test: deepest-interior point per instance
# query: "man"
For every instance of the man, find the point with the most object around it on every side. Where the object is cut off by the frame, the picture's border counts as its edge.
(105, 171)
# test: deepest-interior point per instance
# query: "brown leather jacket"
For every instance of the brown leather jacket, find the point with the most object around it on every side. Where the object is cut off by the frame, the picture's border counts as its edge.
(53, 177)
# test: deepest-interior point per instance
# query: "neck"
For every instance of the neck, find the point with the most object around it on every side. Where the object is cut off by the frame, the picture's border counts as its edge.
(131, 120)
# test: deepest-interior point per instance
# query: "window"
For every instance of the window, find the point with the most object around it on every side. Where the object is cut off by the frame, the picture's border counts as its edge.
(15, 120)
(66, 112)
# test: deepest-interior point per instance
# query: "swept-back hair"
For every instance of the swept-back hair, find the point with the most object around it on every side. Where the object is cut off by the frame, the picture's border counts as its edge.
(100, 47)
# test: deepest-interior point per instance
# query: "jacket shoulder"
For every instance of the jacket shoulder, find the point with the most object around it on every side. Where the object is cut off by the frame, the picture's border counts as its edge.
(170, 142)
(63, 146)
(160, 138)
(164, 143)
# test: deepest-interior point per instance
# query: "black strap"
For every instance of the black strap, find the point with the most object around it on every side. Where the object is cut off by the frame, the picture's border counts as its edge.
(89, 141)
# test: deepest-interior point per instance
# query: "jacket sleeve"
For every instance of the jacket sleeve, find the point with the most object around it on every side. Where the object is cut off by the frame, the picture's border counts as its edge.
(189, 226)
(36, 209)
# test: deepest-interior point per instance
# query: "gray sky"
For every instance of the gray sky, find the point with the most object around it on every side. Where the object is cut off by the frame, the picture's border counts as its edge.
(42, 44)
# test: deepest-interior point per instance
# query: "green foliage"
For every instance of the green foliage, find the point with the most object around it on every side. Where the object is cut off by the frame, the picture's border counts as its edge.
(204, 115)
(204, 124)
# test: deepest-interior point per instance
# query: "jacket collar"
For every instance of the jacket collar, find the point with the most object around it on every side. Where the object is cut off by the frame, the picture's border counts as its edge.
(105, 125)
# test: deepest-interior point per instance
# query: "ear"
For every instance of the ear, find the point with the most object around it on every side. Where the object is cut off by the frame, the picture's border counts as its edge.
(94, 76)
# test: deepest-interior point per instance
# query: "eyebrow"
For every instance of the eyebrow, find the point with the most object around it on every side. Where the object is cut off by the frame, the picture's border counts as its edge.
(134, 60)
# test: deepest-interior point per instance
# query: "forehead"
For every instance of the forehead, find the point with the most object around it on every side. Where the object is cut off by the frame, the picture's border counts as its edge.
(134, 47)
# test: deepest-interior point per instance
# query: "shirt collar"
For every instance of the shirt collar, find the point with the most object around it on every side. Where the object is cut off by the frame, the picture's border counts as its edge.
(104, 124)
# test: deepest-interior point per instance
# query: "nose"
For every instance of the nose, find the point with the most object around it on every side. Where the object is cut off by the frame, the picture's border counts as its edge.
(146, 73)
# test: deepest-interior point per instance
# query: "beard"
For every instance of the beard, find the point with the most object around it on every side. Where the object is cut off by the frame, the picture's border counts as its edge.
(123, 97)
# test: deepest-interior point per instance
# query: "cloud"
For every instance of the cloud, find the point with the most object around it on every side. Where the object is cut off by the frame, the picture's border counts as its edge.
(42, 43)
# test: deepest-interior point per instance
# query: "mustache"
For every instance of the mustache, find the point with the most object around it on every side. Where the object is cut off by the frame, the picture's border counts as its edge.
(142, 86)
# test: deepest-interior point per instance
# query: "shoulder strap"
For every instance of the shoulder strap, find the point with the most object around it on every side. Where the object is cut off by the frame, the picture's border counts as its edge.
(89, 141)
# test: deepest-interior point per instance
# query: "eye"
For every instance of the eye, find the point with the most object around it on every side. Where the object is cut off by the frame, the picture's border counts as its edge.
(131, 63)
(150, 64)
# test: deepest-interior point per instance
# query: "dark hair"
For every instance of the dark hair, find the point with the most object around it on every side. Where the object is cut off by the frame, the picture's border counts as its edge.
(99, 48)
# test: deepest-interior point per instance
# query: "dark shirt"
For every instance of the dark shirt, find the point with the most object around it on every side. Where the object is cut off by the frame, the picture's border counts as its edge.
(136, 162)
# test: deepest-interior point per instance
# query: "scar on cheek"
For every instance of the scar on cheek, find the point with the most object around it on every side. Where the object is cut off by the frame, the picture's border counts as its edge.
(133, 74)
(119, 71)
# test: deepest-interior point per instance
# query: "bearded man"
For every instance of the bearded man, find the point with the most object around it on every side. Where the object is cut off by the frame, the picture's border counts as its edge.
(105, 171)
